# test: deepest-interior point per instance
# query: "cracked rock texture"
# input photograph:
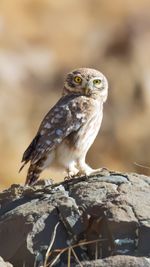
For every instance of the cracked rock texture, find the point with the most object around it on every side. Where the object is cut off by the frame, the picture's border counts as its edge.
(121, 261)
(105, 217)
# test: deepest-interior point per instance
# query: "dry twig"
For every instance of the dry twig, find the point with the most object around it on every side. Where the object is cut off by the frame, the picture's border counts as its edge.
(69, 249)
(51, 244)
(142, 166)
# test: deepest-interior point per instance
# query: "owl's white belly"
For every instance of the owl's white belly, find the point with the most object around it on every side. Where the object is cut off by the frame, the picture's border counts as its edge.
(66, 154)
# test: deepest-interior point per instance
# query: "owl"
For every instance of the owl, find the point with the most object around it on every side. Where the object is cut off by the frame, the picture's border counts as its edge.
(70, 127)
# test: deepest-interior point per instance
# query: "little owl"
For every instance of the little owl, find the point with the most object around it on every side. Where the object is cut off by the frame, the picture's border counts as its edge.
(70, 127)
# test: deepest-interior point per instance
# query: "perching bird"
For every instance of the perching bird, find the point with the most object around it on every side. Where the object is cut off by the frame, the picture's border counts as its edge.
(70, 127)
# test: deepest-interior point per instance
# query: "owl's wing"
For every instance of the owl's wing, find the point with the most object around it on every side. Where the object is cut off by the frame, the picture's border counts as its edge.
(64, 118)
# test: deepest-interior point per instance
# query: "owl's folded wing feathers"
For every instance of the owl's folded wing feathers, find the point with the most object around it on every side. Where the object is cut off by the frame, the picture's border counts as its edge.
(64, 118)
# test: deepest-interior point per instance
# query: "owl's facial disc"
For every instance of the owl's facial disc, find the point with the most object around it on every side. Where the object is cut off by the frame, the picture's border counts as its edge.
(95, 84)
(74, 83)
(77, 79)
(86, 81)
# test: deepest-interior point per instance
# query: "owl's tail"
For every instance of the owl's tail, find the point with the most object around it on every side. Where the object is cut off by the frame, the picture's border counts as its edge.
(33, 174)
(29, 151)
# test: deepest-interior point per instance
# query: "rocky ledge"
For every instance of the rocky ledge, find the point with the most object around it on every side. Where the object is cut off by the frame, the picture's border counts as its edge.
(101, 220)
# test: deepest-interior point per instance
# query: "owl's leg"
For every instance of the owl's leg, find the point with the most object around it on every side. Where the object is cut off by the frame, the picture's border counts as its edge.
(71, 170)
(84, 168)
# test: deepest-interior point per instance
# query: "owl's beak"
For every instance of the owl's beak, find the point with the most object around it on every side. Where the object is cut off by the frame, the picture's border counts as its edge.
(87, 89)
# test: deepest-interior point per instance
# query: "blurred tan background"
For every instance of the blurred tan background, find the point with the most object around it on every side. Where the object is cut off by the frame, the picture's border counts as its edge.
(40, 41)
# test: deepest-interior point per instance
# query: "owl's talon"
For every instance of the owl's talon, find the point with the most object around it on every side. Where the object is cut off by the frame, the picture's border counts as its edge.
(69, 177)
(66, 178)
(103, 171)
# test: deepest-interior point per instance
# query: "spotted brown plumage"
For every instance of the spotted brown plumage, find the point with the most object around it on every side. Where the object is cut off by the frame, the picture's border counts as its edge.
(70, 127)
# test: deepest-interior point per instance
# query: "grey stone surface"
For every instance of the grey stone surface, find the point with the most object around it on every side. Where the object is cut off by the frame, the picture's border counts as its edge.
(112, 208)
(118, 261)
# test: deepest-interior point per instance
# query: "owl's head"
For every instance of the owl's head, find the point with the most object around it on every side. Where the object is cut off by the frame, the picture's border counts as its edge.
(86, 81)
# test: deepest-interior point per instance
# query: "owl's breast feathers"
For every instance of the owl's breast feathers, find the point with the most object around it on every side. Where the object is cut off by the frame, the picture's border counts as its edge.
(69, 114)
(82, 139)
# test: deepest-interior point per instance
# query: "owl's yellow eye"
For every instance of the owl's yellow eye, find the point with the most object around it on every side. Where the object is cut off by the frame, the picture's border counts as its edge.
(97, 82)
(77, 79)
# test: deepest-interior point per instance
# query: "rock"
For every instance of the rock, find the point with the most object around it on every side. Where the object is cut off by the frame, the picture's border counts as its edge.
(98, 216)
(118, 261)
